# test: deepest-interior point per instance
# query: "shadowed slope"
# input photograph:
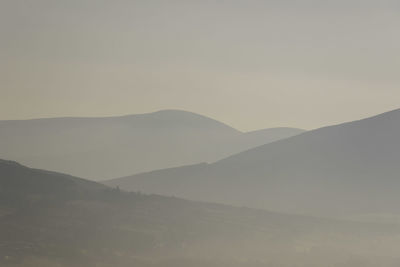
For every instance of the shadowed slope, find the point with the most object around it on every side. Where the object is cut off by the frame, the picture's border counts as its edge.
(49, 219)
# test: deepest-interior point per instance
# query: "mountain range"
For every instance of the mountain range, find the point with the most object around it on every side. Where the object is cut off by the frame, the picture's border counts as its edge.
(341, 170)
(101, 148)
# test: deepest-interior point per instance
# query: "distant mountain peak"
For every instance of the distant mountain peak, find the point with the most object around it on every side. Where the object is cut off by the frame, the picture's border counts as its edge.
(350, 168)
(100, 148)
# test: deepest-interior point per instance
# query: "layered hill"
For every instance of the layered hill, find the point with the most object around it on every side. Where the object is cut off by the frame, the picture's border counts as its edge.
(99, 148)
(346, 169)
(51, 219)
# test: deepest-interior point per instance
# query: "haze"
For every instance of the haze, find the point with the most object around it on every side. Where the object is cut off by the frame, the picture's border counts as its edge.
(240, 133)
(251, 64)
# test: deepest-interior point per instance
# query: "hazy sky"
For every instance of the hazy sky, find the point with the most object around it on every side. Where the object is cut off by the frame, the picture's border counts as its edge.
(251, 64)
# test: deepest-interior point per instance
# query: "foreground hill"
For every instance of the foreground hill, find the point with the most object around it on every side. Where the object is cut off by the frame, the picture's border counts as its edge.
(50, 219)
(99, 148)
(346, 169)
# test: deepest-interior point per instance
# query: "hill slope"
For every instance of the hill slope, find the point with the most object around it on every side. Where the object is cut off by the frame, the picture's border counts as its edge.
(99, 148)
(67, 221)
(352, 168)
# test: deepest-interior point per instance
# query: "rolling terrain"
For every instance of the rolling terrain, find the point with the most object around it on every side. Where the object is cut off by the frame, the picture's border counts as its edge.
(342, 170)
(52, 219)
(101, 148)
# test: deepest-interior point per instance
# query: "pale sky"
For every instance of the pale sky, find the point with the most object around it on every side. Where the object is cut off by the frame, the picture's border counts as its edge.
(250, 64)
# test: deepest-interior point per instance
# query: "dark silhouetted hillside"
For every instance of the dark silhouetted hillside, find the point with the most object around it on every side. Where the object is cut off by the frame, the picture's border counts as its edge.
(50, 219)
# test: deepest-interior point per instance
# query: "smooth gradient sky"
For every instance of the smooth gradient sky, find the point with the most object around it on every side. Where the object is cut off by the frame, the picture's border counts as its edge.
(251, 64)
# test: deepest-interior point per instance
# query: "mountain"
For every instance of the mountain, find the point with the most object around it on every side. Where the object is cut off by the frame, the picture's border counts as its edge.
(347, 169)
(49, 219)
(100, 148)
(18, 178)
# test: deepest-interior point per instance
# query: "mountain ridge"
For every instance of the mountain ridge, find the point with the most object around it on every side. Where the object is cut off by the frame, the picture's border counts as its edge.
(355, 160)
(99, 148)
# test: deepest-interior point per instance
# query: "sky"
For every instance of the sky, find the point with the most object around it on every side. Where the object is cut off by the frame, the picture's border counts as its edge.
(251, 64)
